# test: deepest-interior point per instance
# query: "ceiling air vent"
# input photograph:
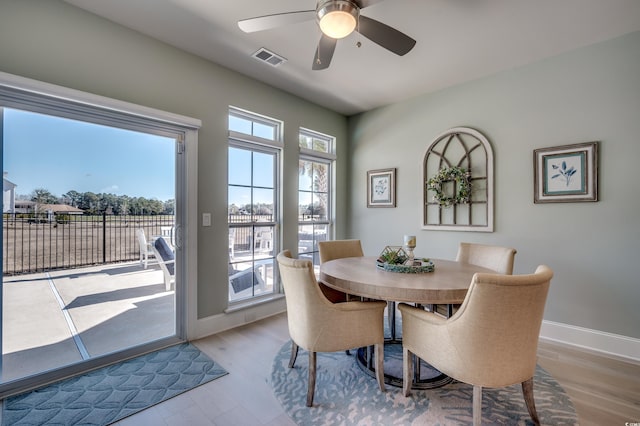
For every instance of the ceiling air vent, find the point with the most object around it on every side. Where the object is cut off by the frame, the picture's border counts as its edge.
(269, 57)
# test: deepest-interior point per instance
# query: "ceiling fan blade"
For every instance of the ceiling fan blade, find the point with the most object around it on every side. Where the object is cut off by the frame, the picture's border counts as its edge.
(324, 53)
(366, 3)
(387, 37)
(268, 22)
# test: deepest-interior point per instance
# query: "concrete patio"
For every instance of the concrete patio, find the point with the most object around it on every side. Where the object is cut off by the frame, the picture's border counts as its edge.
(58, 318)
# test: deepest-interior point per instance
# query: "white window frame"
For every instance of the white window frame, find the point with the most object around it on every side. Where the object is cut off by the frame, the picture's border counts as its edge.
(273, 147)
(328, 158)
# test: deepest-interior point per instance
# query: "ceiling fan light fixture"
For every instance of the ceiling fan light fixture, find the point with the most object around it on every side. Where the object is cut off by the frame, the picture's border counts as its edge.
(338, 18)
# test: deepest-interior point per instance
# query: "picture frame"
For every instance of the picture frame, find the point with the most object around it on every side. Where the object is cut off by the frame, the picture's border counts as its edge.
(381, 188)
(566, 174)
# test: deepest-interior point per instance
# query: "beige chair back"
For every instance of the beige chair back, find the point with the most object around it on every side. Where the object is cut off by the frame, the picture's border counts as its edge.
(499, 259)
(337, 249)
(492, 339)
(315, 323)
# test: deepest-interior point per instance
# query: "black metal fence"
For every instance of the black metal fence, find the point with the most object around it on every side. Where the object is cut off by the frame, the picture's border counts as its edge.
(39, 242)
(242, 229)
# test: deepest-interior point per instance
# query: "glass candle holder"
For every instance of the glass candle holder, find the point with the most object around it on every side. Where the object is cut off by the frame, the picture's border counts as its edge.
(410, 244)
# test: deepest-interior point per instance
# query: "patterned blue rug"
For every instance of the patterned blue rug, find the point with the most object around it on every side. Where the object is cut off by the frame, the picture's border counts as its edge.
(112, 393)
(346, 396)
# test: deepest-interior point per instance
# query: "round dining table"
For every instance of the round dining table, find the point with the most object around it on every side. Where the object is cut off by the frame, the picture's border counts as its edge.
(447, 285)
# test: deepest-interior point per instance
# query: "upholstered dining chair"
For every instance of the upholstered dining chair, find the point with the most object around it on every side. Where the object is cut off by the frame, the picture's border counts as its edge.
(317, 325)
(491, 341)
(337, 249)
(496, 258)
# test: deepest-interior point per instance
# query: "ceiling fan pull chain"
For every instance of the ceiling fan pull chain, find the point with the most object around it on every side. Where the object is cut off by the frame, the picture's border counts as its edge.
(358, 42)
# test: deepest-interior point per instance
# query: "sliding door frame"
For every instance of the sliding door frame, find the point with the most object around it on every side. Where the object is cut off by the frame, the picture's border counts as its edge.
(35, 96)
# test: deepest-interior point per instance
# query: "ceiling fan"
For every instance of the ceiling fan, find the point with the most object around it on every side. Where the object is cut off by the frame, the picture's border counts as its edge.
(337, 19)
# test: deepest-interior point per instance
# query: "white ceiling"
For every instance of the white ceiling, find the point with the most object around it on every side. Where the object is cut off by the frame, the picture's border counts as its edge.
(457, 41)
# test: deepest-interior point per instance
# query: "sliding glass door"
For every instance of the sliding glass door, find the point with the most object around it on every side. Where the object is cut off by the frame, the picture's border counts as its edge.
(91, 239)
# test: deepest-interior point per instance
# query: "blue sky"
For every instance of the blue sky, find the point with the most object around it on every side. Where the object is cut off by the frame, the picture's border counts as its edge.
(61, 155)
(243, 175)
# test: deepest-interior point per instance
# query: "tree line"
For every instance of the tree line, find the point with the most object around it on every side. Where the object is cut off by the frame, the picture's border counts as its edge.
(93, 203)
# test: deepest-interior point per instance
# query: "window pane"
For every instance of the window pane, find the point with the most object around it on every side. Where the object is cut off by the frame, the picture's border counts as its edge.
(264, 131)
(263, 204)
(320, 177)
(305, 172)
(238, 124)
(319, 209)
(239, 203)
(304, 206)
(305, 141)
(263, 169)
(305, 239)
(263, 241)
(239, 167)
(320, 145)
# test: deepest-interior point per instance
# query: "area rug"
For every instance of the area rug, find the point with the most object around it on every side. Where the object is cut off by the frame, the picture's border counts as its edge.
(112, 393)
(344, 395)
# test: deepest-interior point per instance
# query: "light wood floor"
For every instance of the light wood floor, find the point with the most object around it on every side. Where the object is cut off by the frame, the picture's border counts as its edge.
(605, 391)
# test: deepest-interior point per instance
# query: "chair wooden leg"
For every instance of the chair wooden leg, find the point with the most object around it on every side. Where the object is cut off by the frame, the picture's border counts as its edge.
(477, 405)
(312, 378)
(407, 371)
(294, 354)
(527, 391)
(380, 365)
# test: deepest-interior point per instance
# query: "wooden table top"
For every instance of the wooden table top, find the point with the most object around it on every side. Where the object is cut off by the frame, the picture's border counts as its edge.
(448, 283)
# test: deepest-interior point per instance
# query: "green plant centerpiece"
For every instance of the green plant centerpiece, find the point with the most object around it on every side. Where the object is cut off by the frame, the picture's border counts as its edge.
(393, 255)
(462, 180)
(394, 258)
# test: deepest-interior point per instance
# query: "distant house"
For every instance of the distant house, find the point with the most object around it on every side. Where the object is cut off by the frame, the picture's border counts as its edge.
(59, 209)
(8, 195)
(25, 206)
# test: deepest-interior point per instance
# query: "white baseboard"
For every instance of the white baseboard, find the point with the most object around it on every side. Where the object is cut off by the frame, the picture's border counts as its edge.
(217, 323)
(594, 340)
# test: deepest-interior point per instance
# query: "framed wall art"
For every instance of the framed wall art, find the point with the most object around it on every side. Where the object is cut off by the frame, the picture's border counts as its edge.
(381, 188)
(566, 174)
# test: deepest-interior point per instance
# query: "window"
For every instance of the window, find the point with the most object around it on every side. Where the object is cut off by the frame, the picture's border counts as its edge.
(253, 211)
(314, 193)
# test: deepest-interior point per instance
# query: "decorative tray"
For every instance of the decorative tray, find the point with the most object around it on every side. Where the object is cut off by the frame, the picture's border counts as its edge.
(418, 267)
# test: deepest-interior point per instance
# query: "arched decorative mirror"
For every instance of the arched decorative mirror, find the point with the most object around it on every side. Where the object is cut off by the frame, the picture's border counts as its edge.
(457, 183)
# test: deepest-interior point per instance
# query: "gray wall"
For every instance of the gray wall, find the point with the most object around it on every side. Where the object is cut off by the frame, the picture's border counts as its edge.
(589, 94)
(57, 43)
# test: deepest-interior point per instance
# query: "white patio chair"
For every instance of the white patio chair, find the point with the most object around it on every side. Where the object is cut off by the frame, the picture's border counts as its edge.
(232, 242)
(168, 233)
(145, 248)
(264, 241)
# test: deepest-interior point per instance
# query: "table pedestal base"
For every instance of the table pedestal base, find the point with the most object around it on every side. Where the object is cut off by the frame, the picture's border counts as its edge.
(425, 376)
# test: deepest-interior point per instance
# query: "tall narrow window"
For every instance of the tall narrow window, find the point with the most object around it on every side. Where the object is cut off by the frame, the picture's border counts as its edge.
(253, 211)
(314, 193)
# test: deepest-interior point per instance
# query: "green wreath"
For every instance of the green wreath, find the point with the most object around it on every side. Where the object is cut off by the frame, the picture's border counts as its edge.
(457, 174)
